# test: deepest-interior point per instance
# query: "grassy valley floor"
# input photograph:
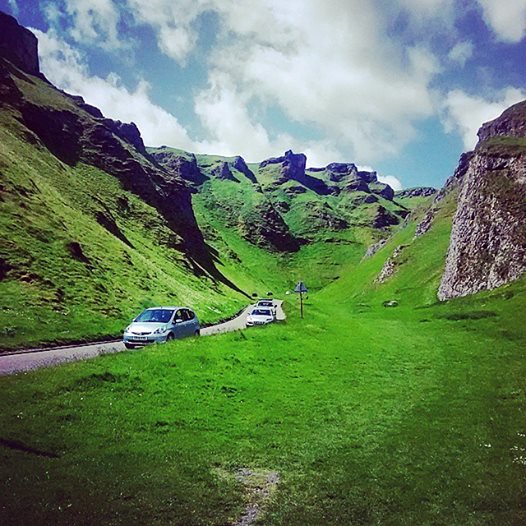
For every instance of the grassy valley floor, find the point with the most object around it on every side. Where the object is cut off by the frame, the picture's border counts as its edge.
(369, 415)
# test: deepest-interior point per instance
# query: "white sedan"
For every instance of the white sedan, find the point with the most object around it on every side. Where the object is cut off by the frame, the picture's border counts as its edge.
(260, 316)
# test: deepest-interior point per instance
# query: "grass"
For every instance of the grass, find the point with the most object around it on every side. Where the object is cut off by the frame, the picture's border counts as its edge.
(371, 419)
(369, 415)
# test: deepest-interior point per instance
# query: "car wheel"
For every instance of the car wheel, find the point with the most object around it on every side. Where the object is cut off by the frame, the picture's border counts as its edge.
(197, 333)
(170, 337)
(129, 346)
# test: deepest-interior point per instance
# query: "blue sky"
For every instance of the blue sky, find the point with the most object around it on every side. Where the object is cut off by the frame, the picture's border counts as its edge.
(397, 85)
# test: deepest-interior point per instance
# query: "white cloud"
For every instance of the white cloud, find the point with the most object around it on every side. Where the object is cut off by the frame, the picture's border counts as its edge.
(466, 113)
(93, 22)
(325, 65)
(173, 22)
(14, 7)
(461, 52)
(392, 181)
(507, 18)
(65, 67)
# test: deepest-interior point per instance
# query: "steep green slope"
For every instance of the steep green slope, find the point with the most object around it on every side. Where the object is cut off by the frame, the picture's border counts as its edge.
(92, 230)
(80, 255)
(312, 223)
(406, 415)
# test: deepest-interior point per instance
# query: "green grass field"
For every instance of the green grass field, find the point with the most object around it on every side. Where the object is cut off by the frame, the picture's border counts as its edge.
(369, 418)
(370, 415)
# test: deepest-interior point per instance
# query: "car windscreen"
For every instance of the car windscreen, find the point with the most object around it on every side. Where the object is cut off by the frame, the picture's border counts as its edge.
(261, 312)
(155, 316)
(265, 304)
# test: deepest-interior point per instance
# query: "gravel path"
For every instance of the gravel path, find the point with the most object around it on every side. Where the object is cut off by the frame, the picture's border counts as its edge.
(34, 358)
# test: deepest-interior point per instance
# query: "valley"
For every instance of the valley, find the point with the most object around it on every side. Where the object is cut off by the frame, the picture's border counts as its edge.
(398, 399)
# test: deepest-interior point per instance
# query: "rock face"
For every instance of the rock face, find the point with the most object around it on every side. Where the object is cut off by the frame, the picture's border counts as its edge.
(18, 45)
(419, 191)
(241, 166)
(82, 134)
(265, 227)
(488, 239)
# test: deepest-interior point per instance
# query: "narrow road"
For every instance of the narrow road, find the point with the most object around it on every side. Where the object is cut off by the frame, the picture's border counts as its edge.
(34, 358)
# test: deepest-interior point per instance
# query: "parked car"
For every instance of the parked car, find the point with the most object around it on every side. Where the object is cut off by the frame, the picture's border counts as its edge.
(160, 325)
(260, 316)
(267, 304)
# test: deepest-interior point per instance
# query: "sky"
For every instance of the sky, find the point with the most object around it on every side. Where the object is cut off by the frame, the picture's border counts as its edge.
(398, 86)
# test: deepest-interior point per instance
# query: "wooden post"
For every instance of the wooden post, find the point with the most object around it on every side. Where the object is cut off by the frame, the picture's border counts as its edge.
(301, 304)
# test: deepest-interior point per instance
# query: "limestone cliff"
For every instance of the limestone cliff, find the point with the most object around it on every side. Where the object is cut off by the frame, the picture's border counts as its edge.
(488, 239)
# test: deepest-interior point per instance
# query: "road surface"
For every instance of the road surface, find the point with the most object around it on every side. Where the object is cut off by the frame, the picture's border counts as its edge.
(20, 361)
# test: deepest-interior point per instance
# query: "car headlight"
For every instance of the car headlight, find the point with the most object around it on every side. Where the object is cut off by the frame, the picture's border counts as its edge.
(127, 329)
(160, 330)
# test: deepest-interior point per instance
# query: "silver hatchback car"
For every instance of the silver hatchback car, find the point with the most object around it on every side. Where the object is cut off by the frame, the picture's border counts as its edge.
(160, 325)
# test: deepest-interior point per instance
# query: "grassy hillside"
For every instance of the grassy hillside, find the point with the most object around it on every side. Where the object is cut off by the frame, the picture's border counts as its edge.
(80, 254)
(370, 415)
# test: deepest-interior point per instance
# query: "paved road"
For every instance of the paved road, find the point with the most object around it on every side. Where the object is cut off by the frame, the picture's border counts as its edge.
(34, 359)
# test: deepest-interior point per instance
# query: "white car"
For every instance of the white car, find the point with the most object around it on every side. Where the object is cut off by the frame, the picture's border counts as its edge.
(260, 316)
(267, 304)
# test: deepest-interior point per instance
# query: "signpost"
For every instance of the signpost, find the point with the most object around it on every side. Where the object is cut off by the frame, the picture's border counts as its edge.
(301, 289)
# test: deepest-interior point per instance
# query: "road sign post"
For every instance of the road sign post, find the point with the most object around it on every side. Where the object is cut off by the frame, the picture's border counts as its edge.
(301, 289)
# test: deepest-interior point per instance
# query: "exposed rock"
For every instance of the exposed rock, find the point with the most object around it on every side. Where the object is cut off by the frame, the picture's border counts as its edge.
(374, 248)
(382, 189)
(184, 166)
(92, 110)
(384, 218)
(419, 191)
(488, 238)
(512, 123)
(18, 45)
(295, 189)
(264, 226)
(126, 131)
(356, 184)
(222, 171)
(390, 303)
(390, 265)
(241, 166)
(366, 199)
(59, 130)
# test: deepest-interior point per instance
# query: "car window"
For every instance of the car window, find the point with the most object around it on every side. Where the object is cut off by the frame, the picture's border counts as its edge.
(261, 312)
(179, 315)
(155, 316)
(190, 314)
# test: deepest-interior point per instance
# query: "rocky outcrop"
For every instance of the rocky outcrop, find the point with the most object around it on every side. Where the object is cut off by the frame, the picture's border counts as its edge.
(512, 123)
(184, 166)
(374, 248)
(264, 226)
(127, 132)
(384, 218)
(390, 265)
(291, 167)
(241, 166)
(18, 45)
(222, 171)
(488, 238)
(419, 191)
(81, 134)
